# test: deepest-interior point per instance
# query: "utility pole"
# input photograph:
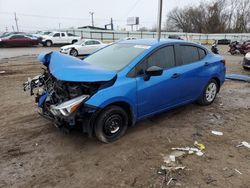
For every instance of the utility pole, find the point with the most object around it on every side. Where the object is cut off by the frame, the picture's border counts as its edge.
(159, 20)
(111, 23)
(92, 18)
(59, 26)
(13, 28)
(16, 22)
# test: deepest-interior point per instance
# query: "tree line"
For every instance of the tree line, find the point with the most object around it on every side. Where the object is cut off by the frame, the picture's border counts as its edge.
(219, 16)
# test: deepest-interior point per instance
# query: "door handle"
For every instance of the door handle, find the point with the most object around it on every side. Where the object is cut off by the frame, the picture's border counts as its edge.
(176, 75)
(206, 64)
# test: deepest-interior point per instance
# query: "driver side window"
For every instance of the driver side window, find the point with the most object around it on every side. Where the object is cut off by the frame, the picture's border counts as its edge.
(56, 35)
(163, 58)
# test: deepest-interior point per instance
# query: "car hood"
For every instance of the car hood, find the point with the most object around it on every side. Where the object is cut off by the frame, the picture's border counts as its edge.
(68, 68)
(69, 46)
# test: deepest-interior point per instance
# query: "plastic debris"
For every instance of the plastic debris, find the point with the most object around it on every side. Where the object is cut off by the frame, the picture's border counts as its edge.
(244, 143)
(172, 167)
(199, 145)
(237, 171)
(218, 133)
(2, 72)
(239, 77)
(190, 150)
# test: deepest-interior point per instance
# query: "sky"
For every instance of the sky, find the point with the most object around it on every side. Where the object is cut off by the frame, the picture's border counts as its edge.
(54, 14)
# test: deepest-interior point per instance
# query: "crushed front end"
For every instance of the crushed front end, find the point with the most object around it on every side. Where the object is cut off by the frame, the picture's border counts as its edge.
(63, 101)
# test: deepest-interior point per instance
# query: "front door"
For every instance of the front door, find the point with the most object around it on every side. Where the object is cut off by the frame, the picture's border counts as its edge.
(159, 92)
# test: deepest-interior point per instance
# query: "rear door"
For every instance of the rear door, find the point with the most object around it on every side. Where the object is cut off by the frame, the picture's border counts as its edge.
(192, 65)
(65, 39)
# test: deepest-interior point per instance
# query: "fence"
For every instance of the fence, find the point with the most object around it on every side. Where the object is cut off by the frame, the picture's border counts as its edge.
(110, 36)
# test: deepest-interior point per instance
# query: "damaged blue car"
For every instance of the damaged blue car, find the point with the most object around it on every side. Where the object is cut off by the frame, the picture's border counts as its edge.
(123, 83)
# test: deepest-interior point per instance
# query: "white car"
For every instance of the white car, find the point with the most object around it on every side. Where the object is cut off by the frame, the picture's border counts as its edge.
(83, 47)
(59, 38)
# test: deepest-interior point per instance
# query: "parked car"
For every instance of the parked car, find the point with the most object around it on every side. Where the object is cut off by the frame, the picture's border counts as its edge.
(39, 34)
(6, 34)
(83, 47)
(59, 38)
(125, 82)
(246, 61)
(18, 40)
(224, 41)
(175, 37)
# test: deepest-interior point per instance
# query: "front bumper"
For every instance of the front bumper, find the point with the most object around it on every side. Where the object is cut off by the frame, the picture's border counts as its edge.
(63, 51)
(83, 117)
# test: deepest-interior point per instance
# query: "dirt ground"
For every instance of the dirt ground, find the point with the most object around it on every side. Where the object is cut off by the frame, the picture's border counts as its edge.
(34, 153)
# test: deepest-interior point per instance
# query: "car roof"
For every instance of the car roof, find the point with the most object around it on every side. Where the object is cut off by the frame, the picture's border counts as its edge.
(152, 42)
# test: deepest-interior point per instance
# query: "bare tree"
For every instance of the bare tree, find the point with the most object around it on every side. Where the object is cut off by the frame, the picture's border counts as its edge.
(218, 16)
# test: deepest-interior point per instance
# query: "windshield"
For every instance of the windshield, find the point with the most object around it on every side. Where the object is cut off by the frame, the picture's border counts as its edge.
(79, 42)
(116, 56)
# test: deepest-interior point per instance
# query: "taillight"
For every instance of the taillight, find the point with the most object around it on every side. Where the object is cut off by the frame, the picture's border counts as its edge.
(223, 61)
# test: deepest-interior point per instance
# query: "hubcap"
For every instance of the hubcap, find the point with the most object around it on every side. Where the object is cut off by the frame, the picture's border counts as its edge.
(112, 125)
(211, 92)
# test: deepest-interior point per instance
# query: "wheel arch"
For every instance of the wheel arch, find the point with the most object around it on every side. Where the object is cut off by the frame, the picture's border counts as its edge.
(218, 82)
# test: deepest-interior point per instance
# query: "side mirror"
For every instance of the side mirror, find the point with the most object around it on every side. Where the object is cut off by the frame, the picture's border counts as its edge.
(152, 71)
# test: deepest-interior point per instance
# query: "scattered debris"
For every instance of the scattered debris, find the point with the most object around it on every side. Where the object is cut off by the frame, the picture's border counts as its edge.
(199, 146)
(237, 171)
(2, 72)
(244, 143)
(190, 150)
(218, 133)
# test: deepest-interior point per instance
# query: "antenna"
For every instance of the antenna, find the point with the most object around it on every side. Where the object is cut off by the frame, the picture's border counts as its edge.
(16, 20)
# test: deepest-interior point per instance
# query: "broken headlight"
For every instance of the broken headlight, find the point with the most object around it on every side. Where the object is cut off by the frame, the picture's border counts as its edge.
(68, 107)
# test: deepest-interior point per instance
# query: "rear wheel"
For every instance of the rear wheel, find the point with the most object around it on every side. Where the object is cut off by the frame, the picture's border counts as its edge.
(209, 93)
(111, 124)
(73, 52)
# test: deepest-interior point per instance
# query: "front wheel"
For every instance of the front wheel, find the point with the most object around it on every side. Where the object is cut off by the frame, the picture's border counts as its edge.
(48, 43)
(73, 52)
(209, 93)
(111, 124)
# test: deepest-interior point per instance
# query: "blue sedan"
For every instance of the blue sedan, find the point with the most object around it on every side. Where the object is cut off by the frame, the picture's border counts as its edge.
(125, 82)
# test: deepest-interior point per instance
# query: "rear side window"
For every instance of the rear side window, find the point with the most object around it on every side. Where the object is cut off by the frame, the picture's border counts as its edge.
(63, 35)
(202, 53)
(189, 54)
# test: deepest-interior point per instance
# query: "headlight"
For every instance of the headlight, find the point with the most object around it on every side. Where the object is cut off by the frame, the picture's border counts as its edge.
(68, 107)
(65, 49)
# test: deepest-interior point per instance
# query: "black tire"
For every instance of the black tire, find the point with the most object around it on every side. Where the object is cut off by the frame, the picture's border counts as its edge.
(111, 124)
(73, 52)
(48, 43)
(74, 41)
(207, 99)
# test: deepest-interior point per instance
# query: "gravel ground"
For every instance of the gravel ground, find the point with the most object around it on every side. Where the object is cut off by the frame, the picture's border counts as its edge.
(33, 153)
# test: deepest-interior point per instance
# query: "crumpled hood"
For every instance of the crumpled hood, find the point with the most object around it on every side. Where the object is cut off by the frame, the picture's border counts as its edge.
(68, 68)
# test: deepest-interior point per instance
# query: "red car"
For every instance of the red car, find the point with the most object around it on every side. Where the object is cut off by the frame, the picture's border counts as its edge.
(18, 40)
